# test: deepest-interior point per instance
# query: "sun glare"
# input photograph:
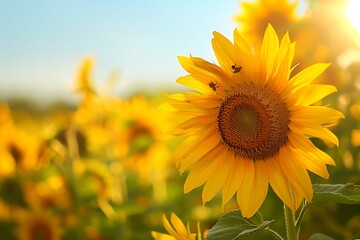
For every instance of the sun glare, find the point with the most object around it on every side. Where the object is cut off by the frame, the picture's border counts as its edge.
(353, 13)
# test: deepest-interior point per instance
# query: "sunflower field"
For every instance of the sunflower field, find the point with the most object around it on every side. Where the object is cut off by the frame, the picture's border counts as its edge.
(262, 143)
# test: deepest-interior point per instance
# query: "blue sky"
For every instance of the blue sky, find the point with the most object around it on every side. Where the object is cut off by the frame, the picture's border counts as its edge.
(43, 42)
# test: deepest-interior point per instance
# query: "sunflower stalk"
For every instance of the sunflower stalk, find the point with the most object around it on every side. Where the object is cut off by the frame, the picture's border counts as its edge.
(73, 154)
(274, 234)
(303, 210)
(291, 231)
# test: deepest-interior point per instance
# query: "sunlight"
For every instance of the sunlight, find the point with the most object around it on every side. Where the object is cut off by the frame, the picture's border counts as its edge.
(353, 13)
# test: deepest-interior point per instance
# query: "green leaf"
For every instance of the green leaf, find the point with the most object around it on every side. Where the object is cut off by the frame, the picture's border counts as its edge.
(320, 236)
(233, 226)
(339, 193)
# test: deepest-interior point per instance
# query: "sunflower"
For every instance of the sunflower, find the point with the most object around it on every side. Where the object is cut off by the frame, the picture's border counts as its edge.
(97, 116)
(176, 230)
(254, 16)
(99, 178)
(50, 193)
(249, 122)
(19, 150)
(142, 143)
(97, 119)
(21, 142)
(38, 224)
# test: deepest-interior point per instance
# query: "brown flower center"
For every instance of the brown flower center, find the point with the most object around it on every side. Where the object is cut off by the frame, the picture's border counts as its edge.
(40, 230)
(16, 153)
(253, 122)
(140, 137)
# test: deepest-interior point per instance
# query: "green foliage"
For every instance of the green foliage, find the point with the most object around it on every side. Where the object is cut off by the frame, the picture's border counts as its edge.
(233, 226)
(320, 236)
(11, 191)
(339, 193)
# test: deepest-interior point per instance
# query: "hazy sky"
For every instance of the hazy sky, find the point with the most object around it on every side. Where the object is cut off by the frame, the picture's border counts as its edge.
(43, 42)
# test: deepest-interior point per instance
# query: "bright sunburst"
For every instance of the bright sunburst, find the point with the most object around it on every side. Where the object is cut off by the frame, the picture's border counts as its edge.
(353, 13)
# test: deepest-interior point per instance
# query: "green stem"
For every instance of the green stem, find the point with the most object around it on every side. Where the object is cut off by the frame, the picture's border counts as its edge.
(301, 215)
(291, 231)
(73, 155)
(274, 234)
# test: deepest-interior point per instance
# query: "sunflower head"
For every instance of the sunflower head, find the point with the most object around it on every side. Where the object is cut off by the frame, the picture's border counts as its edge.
(19, 150)
(247, 125)
(50, 193)
(38, 225)
(141, 141)
(97, 121)
(254, 16)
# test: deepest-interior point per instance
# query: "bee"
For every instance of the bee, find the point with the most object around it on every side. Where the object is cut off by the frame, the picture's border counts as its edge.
(236, 68)
(213, 85)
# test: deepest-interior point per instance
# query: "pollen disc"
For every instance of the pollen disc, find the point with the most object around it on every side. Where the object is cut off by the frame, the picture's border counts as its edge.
(253, 122)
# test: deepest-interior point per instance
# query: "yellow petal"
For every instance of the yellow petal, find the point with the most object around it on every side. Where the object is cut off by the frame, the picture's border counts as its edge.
(169, 228)
(192, 141)
(224, 52)
(241, 42)
(314, 115)
(193, 124)
(279, 182)
(307, 76)
(285, 55)
(234, 178)
(300, 141)
(213, 73)
(296, 174)
(315, 131)
(282, 64)
(202, 149)
(297, 196)
(249, 68)
(183, 110)
(195, 84)
(178, 225)
(186, 147)
(244, 196)
(206, 73)
(162, 236)
(310, 94)
(195, 99)
(311, 163)
(269, 49)
(261, 184)
(202, 170)
(216, 182)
